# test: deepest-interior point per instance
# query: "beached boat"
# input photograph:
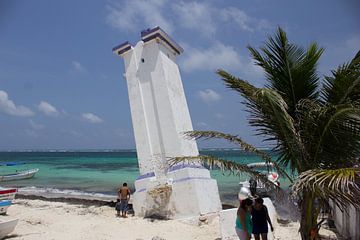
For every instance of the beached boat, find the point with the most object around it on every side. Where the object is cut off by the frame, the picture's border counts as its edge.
(7, 227)
(256, 187)
(7, 193)
(19, 175)
(4, 205)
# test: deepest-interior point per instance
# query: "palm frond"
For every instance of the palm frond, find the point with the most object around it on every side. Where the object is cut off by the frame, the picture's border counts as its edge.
(336, 134)
(238, 141)
(228, 137)
(342, 186)
(289, 69)
(243, 87)
(344, 84)
(269, 114)
(330, 134)
(224, 165)
(270, 117)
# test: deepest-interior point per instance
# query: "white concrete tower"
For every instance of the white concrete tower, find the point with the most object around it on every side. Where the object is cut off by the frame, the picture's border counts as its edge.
(160, 116)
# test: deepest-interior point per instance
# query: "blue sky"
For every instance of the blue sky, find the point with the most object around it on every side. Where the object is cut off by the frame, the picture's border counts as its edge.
(62, 88)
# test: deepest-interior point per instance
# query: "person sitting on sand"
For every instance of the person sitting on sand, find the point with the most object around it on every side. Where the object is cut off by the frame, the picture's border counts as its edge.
(243, 220)
(124, 196)
(260, 219)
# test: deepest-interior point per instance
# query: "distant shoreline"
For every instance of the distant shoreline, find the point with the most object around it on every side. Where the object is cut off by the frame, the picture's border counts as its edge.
(114, 150)
(85, 201)
(76, 196)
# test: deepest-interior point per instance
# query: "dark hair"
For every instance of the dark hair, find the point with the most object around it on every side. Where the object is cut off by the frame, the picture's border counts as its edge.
(124, 184)
(259, 200)
(246, 202)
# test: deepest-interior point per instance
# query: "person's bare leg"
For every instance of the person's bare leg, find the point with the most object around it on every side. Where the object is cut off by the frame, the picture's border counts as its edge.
(264, 236)
(257, 236)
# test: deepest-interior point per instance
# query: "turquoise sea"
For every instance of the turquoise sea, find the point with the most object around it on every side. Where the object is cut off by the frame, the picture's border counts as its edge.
(98, 174)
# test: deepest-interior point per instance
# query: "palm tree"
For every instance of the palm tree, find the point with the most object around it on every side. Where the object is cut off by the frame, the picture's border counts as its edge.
(313, 125)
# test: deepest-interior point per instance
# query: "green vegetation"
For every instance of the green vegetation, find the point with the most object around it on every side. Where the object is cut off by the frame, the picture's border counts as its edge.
(314, 125)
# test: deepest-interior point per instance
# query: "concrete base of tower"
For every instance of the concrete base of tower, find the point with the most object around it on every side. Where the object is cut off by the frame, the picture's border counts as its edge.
(187, 190)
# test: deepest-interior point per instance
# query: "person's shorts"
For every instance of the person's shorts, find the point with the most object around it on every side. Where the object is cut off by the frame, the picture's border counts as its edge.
(123, 205)
(259, 229)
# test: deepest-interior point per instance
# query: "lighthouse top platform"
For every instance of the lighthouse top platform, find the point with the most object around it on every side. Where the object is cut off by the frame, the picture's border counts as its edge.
(148, 35)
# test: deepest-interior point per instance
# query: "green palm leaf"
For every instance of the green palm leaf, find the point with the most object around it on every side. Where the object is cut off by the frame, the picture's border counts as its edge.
(238, 141)
(344, 84)
(342, 186)
(269, 115)
(338, 142)
(224, 165)
(243, 87)
(331, 134)
(289, 69)
(316, 131)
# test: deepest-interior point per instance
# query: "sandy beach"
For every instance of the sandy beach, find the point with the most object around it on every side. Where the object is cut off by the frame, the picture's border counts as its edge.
(39, 219)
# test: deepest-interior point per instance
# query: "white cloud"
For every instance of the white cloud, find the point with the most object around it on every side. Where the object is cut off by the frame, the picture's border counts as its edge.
(48, 109)
(217, 56)
(209, 95)
(238, 16)
(138, 14)
(220, 56)
(9, 107)
(92, 118)
(206, 18)
(196, 16)
(78, 66)
(36, 126)
(202, 17)
(244, 21)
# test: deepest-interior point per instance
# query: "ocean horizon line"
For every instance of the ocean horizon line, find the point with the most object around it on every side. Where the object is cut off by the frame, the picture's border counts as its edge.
(117, 150)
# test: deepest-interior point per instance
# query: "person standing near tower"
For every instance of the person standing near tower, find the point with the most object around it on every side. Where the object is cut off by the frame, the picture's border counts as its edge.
(124, 196)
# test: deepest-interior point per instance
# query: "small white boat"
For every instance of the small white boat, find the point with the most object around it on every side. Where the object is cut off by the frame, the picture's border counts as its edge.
(256, 187)
(7, 193)
(7, 227)
(4, 205)
(19, 175)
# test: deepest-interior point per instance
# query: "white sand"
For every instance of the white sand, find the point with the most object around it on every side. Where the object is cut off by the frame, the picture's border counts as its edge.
(290, 231)
(54, 220)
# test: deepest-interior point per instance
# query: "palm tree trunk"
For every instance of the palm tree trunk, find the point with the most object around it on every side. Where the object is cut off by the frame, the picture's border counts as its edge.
(309, 215)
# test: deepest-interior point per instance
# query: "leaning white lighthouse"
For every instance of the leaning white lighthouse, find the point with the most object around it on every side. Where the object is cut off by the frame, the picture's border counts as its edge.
(160, 116)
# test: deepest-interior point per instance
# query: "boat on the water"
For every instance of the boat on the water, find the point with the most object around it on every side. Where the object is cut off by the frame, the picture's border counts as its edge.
(19, 175)
(4, 205)
(7, 226)
(252, 186)
(7, 193)
(11, 163)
